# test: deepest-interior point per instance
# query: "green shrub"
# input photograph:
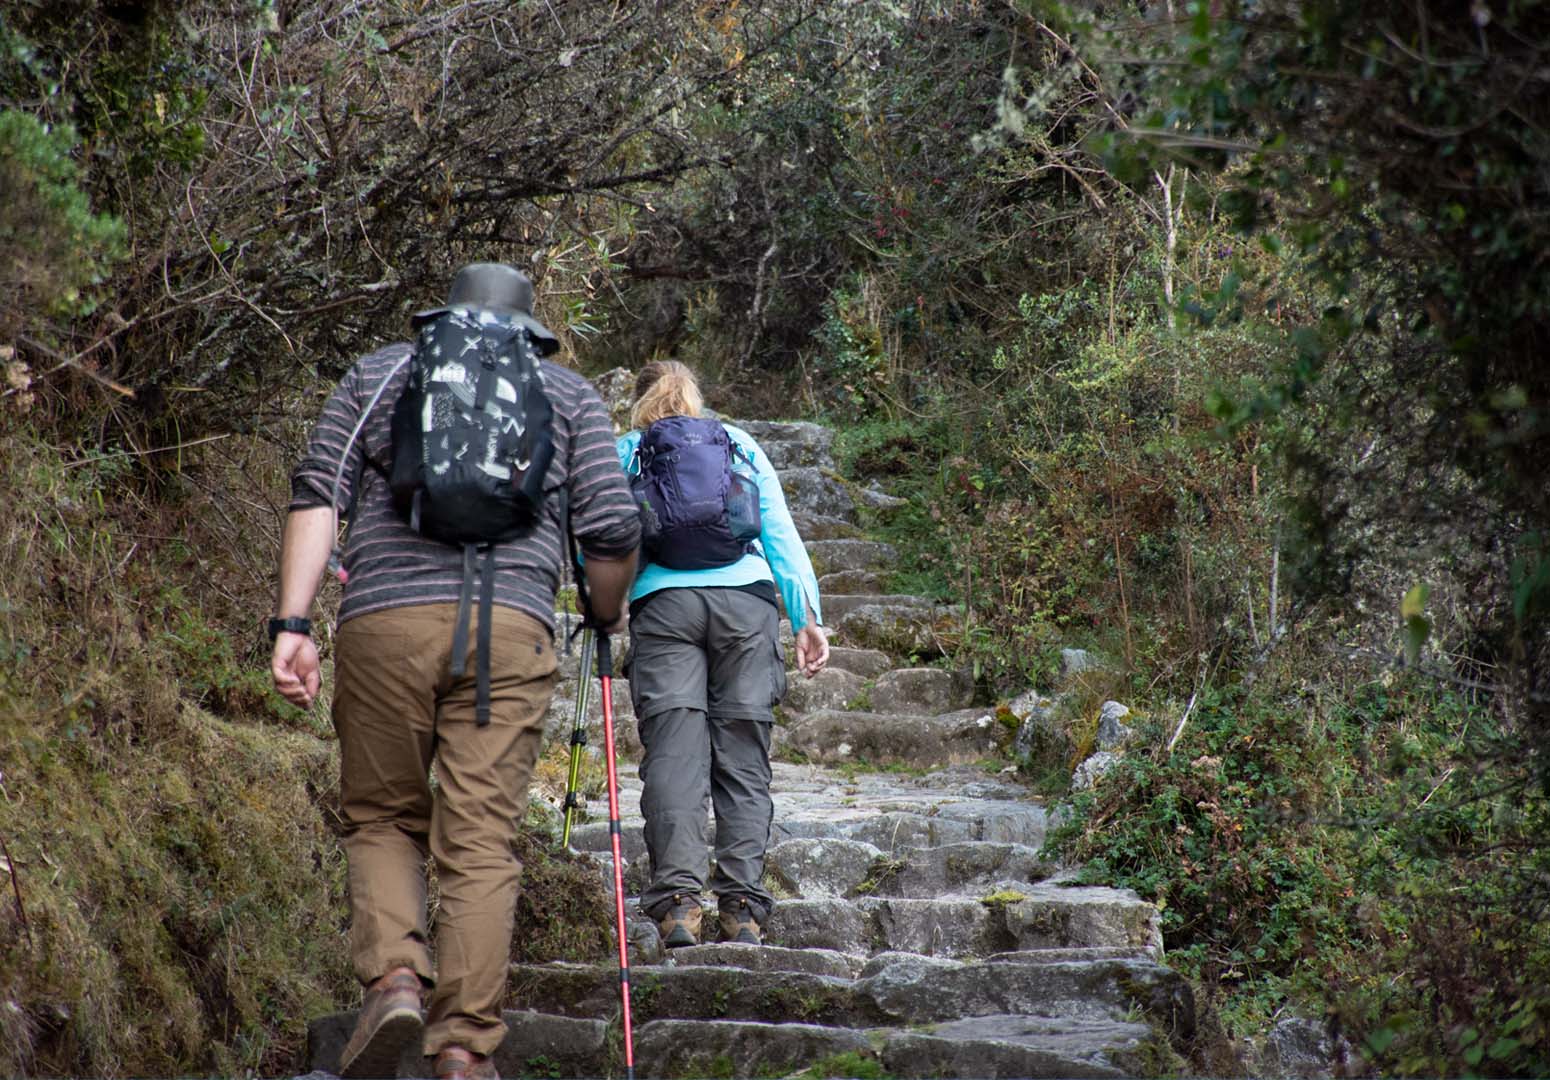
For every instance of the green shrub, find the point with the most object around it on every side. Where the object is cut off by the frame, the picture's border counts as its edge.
(1339, 851)
(54, 251)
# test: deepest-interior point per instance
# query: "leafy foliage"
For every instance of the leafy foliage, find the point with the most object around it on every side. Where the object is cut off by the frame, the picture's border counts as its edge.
(1398, 156)
(1328, 847)
(54, 251)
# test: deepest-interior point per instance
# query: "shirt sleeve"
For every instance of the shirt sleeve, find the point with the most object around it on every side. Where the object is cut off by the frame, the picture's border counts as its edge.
(312, 481)
(603, 515)
(783, 547)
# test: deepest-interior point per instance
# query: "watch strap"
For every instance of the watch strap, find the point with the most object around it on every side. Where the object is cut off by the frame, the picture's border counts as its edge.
(292, 624)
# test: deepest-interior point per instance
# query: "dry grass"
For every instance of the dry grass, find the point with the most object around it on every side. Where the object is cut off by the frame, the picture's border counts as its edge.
(1082, 698)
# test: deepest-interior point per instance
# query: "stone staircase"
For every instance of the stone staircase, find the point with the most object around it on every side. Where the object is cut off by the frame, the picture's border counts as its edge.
(919, 930)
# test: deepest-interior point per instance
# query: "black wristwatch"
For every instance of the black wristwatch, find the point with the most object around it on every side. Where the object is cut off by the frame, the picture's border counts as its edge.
(292, 624)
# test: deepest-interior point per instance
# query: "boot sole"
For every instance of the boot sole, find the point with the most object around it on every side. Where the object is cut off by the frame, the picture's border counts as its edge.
(678, 939)
(378, 1059)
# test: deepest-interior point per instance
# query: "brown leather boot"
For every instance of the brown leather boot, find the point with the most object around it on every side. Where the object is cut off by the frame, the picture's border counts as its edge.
(457, 1063)
(738, 924)
(389, 1021)
(680, 924)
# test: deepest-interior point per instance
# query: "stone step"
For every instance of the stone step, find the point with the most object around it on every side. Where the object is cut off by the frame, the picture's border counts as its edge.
(693, 991)
(831, 688)
(953, 869)
(1012, 921)
(805, 793)
(828, 961)
(837, 605)
(817, 491)
(868, 663)
(851, 581)
(921, 690)
(1043, 918)
(536, 1044)
(836, 866)
(1074, 952)
(769, 958)
(815, 793)
(921, 990)
(824, 527)
(835, 839)
(637, 875)
(594, 836)
(829, 556)
(1058, 916)
(792, 443)
(898, 630)
(839, 854)
(955, 929)
(873, 497)
(990, 1046)
(893, 989)
(995, 820)
(896, 831)
(741, 1047)
(835, 737)
(947, 783)
(1019, 1046)
(812, 869)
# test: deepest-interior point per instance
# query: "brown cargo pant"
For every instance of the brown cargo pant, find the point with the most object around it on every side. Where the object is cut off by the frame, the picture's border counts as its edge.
(396, 710)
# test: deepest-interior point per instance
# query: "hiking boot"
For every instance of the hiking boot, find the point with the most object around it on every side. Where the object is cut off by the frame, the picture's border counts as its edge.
(680, 924)
(389, 1021)
(738, 924)
(456, 1063)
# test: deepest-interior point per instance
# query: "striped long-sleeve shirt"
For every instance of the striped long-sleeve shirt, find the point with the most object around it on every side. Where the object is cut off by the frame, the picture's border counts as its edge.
(391, 565)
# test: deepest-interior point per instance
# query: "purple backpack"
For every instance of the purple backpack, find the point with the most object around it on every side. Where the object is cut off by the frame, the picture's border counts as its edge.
(695, 512)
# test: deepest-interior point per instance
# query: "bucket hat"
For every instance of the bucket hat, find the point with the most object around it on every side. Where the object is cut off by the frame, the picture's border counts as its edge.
(498, 288)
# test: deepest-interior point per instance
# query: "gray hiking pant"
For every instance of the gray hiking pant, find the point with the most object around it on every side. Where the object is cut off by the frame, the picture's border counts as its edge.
(705, 672)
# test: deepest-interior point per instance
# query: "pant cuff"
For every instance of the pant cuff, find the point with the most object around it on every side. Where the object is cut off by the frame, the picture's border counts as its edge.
(475, 1040)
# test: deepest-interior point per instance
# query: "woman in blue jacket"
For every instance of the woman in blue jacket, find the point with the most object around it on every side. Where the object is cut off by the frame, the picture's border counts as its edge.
(706, 669)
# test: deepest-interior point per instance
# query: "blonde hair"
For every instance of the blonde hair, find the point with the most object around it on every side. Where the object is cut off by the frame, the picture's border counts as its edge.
(664, 388)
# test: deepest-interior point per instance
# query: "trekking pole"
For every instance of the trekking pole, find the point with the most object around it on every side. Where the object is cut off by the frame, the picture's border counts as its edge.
(578, 734)
(605, 671)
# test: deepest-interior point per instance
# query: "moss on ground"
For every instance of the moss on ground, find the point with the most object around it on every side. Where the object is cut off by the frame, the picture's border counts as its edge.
(183, 896)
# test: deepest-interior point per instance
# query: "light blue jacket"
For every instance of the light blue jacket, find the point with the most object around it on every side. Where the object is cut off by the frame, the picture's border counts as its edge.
(781, 549)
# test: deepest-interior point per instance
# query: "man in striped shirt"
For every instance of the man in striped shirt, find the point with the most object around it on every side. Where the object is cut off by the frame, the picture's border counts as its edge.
(397, 706)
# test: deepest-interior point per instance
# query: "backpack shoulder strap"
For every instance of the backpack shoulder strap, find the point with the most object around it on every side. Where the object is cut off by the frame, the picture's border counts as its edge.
(738, 451)
(336, 556)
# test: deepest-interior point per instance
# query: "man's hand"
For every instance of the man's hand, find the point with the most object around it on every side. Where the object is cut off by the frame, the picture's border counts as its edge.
(812, 649)
(617, 625)
(608, 585)
(304, 548)
(294, 666)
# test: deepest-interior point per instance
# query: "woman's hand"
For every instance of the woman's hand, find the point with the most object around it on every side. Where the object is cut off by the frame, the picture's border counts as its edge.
(812, 649)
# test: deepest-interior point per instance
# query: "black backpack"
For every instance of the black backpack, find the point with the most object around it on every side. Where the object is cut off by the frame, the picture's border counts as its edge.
(472, 432)
(472, 439)
(696, 513)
